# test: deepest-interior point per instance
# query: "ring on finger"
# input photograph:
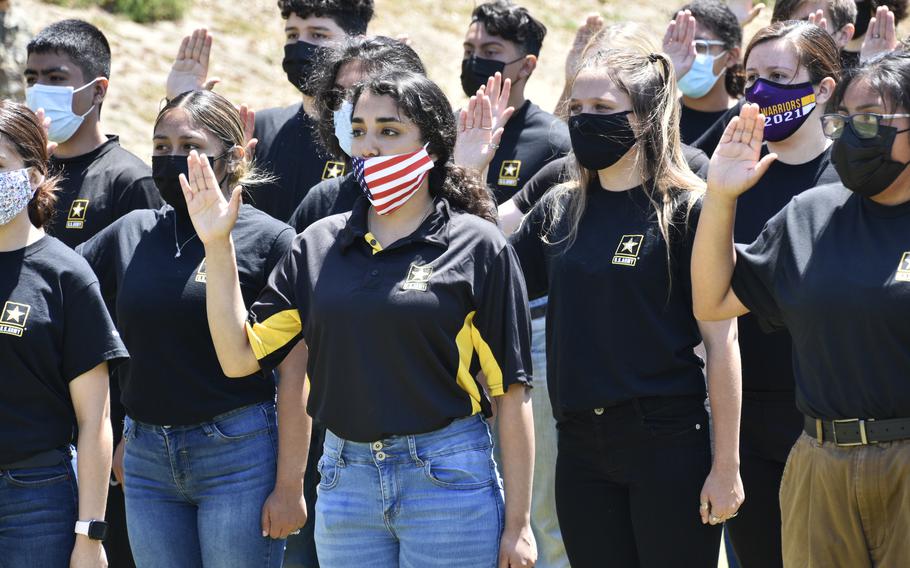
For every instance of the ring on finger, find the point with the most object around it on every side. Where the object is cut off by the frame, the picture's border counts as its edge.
(704, 506)
(486, 128)
(714, 519)
(493, 146)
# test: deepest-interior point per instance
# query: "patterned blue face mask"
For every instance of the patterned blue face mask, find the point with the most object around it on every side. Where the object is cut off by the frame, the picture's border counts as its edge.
(15, 193)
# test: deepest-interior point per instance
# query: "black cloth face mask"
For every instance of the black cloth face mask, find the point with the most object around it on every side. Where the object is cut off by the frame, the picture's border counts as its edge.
(865, 165)
(475, 71)
(600, 140)
(166, 172)
(300, 60)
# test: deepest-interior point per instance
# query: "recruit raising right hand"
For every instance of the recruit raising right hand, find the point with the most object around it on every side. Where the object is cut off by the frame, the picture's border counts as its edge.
(737, 163)
(593, 23)
(191, 67)
(213, 216)
(679, 42)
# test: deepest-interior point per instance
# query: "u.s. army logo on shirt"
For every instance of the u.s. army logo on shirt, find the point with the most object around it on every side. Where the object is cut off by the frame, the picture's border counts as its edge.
(13, 318)
(333, 170)
(200, 273)
(508, 172)
(418, 278)
(628, 249)
(903, 271)
(76, 217)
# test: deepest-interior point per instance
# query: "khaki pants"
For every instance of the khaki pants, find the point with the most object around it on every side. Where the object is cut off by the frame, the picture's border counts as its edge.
(846, 506)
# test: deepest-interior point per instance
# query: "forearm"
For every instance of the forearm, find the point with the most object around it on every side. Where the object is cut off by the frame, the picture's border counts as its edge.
(96, 448)
(725, 395)
(294, 424)
(226, 312)
(713, 260)
(516, 434)
(510, 217)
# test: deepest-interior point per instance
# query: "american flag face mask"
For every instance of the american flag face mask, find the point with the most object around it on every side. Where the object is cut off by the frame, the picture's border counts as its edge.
(389, 181)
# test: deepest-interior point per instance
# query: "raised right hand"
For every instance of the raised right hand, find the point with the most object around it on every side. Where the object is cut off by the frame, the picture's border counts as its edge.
(190, 69)
(213, 216)
(593, 23)
(737, 164)
(881, 36)
(679, 42)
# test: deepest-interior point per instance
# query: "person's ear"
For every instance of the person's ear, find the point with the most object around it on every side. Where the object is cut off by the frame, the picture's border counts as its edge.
(99, 90)
(732, 59)
(843, 36)
(235, 158)
(35, 178)
(825, 91)
(527, 66)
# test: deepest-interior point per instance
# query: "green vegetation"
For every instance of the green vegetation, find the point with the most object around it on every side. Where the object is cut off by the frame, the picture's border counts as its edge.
(137, 10)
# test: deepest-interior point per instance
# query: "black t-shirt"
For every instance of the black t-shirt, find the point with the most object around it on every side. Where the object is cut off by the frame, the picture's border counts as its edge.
(174, 376)
(767, 358)
(694, 123)
(560, 170)
(532, 138)
(709, 140)
(289, 150)
(54, 327)
(394, 332)
(834, 269)
(329, 197)
(97, 189)
(616, 328)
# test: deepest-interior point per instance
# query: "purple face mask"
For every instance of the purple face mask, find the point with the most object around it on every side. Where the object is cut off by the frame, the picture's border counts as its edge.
(786, 107)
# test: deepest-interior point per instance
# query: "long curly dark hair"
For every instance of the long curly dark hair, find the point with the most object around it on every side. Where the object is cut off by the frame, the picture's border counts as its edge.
(424, 103)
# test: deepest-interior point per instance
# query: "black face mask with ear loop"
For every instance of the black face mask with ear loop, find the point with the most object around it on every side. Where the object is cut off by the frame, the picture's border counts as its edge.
(166, 172)
(865, 165)
(476, 70)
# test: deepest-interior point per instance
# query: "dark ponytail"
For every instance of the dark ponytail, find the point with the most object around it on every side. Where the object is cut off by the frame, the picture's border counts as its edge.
(20, 128)
(424, 103)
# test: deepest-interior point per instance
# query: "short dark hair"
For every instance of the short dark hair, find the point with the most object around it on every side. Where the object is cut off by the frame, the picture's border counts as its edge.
(888, 75)
(717, 17)
(351, 15)
(80, 41)
(842, 12)
(512, 23)
(376, 56)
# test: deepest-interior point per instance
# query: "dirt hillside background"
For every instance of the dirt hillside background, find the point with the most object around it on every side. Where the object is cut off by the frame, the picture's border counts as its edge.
(249, 42)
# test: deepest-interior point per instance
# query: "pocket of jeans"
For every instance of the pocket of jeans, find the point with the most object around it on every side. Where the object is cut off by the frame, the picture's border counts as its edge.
(328, 472)
(242, 426)
(33, 477)
(471, 469)
(675, 418)
(129, 429)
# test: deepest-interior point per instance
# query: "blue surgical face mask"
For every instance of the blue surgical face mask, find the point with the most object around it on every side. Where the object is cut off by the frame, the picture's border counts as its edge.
(700, 78)
(344, 130)
(57, 103)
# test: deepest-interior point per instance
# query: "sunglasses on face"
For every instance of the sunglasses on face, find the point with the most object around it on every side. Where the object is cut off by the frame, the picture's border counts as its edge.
(865, 124)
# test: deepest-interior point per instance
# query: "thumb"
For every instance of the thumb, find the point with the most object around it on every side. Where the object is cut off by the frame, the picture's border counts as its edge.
(266, 521)
(210, 84)
(702, 510)
(762, 166)
(236, 200)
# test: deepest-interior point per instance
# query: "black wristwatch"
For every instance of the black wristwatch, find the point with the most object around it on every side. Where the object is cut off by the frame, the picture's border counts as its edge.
(95, 530)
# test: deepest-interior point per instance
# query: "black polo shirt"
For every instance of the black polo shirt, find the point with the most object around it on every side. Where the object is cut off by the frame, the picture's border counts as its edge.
(53, 328)
(617, 329)
(174, 376)
(560, 170)
(767, 358)
(98, 188)
(394, 332)
(531, 139)
(833, 268)
(328, 197)
(289, 150)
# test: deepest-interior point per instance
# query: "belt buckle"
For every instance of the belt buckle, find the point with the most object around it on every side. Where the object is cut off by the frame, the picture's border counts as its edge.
(862, 432)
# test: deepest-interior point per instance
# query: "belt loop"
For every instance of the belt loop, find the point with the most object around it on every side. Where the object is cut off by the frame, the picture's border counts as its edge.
(819, 431)
(341, 442)
(412, 449)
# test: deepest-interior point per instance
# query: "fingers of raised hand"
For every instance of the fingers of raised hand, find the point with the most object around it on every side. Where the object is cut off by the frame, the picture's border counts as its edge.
(181, 51)
(469, 118)
(486, 113)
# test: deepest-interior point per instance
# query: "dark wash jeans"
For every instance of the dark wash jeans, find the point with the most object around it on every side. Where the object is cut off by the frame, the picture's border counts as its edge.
(38, 510)
(628, 485)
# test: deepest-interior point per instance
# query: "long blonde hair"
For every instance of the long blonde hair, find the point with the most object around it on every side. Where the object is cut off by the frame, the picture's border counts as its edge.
(648, 79)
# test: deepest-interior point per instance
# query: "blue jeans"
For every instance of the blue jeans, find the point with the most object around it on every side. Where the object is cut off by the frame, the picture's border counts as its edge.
(422, 501)
(38, 509)
(194, 494)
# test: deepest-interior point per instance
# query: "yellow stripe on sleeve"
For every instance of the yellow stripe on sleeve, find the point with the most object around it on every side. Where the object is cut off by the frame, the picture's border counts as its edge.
(274, 333)
(465, 354)
(488, 362)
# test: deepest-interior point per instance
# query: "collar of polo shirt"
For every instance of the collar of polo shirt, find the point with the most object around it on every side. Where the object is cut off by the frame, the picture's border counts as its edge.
(436, 231)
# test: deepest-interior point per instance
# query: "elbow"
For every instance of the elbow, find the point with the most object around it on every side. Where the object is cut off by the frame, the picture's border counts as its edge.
(237, 370)
(703, 311)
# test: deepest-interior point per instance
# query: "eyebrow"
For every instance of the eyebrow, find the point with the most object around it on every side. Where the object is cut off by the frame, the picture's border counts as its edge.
(492, 44)
(319, 28)
(774, 68)
(194, 136)
(863, 108)
(48, 70)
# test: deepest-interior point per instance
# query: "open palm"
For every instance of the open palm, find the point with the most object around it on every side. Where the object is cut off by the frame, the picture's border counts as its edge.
(737, 164)
(679, 42)
(190, 69)
(476, 140)
(213, 216)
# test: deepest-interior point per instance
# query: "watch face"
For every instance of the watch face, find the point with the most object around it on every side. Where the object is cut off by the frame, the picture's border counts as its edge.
(97, 530)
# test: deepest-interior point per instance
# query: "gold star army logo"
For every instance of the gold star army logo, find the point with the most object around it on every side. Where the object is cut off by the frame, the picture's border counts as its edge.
(509, 171)
(333, 170)
(418, 278)
(76, 217)
(903, 270)
(628, 249)
(13, 318)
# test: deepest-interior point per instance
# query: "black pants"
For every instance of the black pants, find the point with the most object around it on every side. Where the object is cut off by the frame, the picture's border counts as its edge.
(770, 426)
(628, 485)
